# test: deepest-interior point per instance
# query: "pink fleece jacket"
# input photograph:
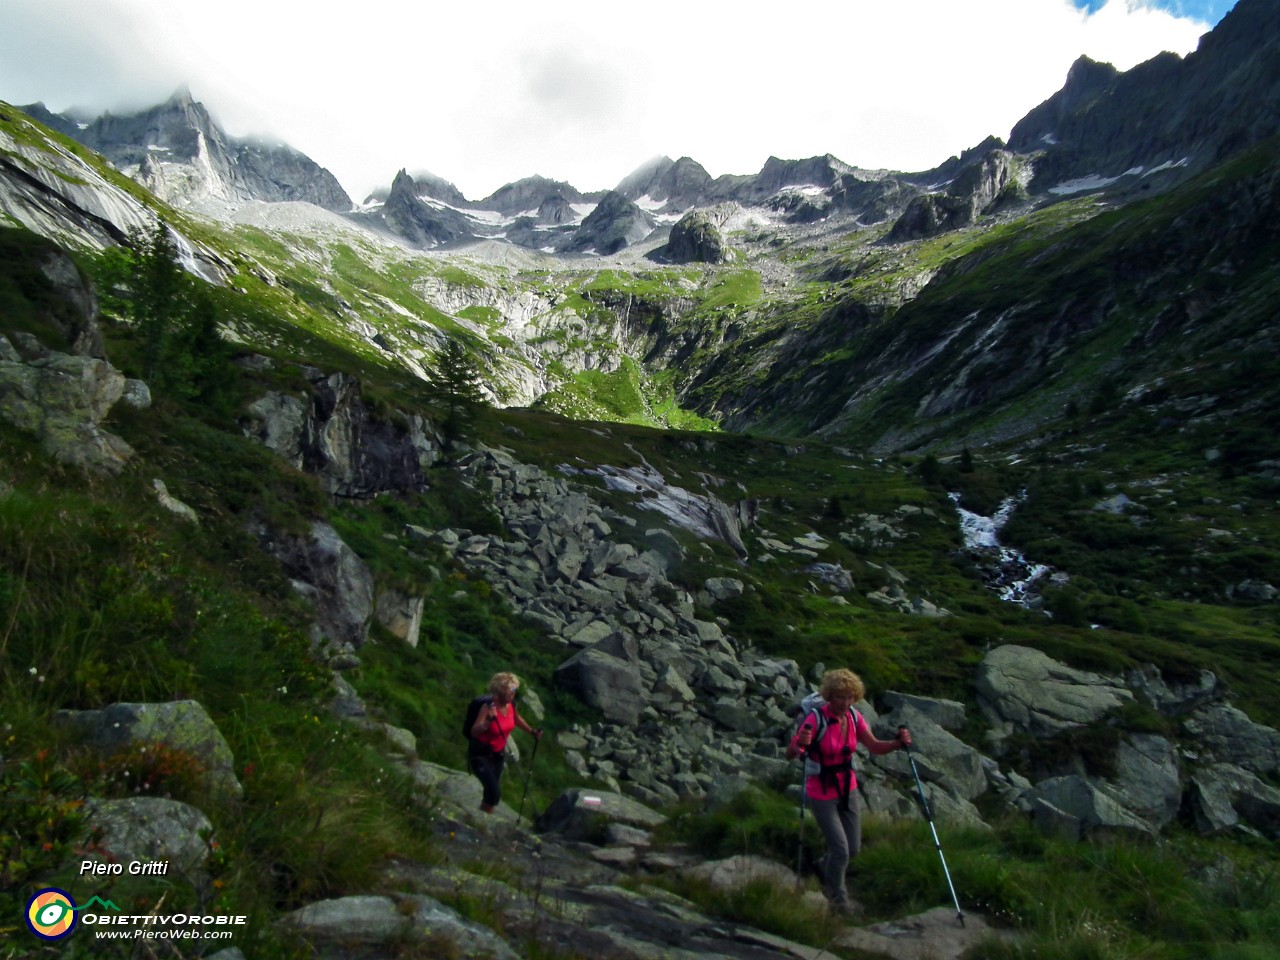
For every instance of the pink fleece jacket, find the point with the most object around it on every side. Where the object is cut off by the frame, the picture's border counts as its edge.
(831, 750)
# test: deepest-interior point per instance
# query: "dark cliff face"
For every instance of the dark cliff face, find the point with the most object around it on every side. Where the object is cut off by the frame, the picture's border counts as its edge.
(1193, 112)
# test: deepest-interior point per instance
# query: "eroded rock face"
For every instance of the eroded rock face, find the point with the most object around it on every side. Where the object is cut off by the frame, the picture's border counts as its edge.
(334, 435)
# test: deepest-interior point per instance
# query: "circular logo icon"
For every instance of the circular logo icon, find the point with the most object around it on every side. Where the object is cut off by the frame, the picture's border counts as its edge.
(51, 914)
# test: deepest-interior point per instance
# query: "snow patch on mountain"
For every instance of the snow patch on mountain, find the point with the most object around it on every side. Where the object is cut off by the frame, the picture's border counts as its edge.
(1091, 182)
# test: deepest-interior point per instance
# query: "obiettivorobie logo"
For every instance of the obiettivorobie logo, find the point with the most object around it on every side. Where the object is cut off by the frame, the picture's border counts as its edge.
(51, 914)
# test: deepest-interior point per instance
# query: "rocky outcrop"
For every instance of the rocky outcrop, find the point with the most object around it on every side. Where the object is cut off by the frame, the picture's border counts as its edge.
(64, 299)
(332, 576)
(334, 434)
(698, 236)
(977, 190)
(1212, 771)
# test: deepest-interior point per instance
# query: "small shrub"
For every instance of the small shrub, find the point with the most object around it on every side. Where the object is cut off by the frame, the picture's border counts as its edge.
(153, 769)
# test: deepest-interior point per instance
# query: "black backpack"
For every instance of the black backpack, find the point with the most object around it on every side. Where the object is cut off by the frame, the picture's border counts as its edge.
(473, 711)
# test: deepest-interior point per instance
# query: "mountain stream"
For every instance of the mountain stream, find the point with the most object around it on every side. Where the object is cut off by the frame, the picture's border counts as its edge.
(1006, 571)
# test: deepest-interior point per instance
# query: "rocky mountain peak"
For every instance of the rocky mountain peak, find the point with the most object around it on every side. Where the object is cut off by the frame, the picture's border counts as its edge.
(682, 183)
(438, 188)
(1167, 113)
(615, 223)
(406, 215)
(528, 194)
(641, 181)
(179, 151)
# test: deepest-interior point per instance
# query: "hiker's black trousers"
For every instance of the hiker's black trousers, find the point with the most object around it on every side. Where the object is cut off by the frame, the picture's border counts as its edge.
(488, 770)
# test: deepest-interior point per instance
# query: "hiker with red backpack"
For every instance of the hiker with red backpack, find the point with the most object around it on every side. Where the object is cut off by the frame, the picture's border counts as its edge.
(827, 738)
(490, 721)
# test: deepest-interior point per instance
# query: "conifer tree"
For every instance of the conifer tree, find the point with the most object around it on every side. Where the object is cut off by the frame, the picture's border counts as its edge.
(454, 382)
(176, 319)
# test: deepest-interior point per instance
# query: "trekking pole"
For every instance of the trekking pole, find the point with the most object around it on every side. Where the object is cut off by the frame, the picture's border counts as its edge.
(800, 834)
(928, 815)
(527, 774)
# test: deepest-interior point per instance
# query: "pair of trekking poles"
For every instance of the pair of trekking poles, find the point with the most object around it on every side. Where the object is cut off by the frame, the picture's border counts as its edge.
(925, 809)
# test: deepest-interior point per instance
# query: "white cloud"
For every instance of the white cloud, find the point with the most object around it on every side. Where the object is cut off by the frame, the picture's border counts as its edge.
(482, 94)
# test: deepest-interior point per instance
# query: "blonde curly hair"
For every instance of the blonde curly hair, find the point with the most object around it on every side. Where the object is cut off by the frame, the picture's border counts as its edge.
(504, 683)
(842, 683)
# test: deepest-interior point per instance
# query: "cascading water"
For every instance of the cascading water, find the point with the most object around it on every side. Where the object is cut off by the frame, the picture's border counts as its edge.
(1014, 578)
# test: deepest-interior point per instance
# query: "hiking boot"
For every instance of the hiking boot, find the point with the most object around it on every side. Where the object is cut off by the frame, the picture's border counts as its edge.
(846, 908)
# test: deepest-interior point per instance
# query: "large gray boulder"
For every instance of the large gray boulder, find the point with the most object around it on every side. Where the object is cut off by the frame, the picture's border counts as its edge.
(151, 829)
(63, 400)
(333, 928)
(1023, 690)
(1147, 780)
(608, 682)
(1077, 807)
(1225, 797)
(329, 573)
(940, 756)
(401, 615)
(1227, 735)
(948, 714)
(180, 725)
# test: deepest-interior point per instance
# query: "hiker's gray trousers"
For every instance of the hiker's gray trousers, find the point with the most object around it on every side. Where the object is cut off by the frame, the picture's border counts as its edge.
(843, 832)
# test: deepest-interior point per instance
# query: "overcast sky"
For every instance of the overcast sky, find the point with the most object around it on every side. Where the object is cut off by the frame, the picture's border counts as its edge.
(482, 94)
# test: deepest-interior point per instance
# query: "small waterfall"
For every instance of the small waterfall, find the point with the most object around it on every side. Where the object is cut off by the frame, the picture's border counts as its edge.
(1013, 577)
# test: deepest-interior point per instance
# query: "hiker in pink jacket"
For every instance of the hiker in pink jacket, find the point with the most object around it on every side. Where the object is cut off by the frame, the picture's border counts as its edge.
(494, 723)
(827, 739)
